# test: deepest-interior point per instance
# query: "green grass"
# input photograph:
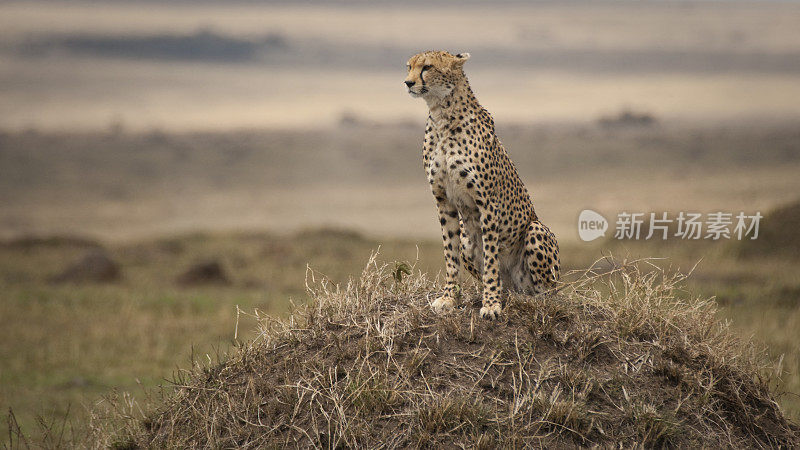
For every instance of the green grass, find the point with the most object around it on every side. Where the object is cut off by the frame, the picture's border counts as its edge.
(64, 346)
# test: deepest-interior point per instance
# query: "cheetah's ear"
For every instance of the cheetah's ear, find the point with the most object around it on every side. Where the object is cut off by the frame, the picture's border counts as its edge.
(461, 58)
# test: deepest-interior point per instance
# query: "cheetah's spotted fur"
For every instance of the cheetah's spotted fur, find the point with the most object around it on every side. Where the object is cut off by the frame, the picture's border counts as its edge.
(488, 221)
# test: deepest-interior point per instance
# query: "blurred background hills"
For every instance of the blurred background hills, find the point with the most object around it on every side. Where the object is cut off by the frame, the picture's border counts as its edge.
(213, 65)
(122, 119)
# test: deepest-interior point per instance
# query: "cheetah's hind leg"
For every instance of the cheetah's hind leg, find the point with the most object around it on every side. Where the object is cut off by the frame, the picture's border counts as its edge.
(541, 256)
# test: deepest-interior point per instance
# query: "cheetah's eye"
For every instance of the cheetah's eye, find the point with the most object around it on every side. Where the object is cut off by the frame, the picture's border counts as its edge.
(424, 68)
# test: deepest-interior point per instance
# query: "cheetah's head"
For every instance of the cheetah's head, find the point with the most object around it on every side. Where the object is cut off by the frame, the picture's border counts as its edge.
(432, 75)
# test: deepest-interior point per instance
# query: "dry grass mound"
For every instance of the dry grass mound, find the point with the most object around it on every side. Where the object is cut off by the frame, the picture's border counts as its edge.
(611, 359)
(779, 234)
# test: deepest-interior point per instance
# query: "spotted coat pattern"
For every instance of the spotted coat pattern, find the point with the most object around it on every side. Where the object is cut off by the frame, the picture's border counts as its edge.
(488, 222)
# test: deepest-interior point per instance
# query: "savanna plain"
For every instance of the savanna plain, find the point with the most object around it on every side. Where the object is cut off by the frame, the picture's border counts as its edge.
(140, 234)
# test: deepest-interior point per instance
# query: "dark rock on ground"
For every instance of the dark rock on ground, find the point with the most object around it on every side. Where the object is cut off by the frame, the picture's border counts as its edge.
(206, 272)
(95, 266)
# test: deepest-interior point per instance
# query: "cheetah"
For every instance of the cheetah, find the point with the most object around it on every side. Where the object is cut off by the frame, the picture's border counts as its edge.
(488, 222)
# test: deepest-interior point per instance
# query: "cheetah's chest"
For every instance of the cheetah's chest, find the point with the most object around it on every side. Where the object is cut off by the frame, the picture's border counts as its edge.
(451, 171)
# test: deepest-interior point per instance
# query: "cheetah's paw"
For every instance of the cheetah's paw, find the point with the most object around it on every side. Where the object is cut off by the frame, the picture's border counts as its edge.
(443, 304)
(491, 312)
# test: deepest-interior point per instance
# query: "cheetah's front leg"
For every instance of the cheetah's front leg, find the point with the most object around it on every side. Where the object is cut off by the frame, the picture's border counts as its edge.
(492, 287)
(448, 217)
